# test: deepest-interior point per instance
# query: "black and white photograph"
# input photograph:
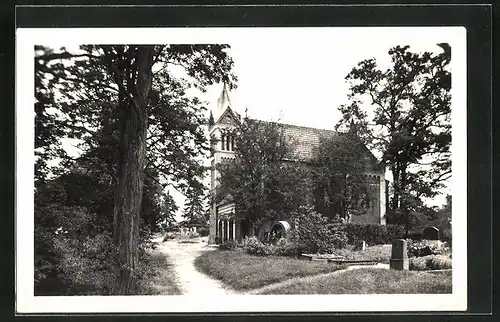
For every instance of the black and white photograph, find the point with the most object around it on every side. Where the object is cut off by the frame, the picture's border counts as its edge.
(241, 169)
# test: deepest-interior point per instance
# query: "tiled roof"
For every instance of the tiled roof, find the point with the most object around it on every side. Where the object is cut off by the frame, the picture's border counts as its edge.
(305, 139)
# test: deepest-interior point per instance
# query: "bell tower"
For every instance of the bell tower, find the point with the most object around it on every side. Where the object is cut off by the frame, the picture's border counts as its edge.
(223, 123)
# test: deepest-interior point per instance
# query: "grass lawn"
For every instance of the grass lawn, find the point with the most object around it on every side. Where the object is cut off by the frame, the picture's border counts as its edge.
(378, 253)
(242, 271)
(160, 278)
(372, 281)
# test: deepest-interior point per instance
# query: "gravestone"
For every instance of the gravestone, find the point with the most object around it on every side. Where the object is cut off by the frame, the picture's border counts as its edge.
(360, 245)
(399, 256)
(431, 233)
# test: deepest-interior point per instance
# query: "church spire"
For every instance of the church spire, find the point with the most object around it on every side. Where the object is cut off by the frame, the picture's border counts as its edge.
(211, 120)
(224, 101)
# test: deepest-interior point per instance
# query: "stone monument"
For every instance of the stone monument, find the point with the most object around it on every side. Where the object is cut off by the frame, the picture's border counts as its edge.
(430, 233)
(360, 245)
(399, 256)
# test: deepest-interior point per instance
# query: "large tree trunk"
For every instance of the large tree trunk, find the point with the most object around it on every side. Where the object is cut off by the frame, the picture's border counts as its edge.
(130, 167)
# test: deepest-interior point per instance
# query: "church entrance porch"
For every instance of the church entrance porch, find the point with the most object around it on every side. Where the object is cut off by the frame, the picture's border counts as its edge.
(226, 230)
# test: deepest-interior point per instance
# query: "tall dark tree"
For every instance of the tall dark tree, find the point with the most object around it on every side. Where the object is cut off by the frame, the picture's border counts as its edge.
(260, 180)
(194, 208)
(403, 112)
(150, 118)
(339, 172)
(168, 210)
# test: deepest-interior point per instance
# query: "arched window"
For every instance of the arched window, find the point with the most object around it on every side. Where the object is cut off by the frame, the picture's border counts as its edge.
(227, 142)
(222, 142)
(232, 143)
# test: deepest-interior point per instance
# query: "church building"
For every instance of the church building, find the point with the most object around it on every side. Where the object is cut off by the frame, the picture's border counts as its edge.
(224, 225)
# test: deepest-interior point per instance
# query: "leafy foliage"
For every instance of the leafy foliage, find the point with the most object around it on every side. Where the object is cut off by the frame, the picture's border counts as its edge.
(373, 234)
(339, 175)
(195, 208)
(314, 233)
(228, 245)
(263, 185)
(430, 262)
(203, 231)
(407, 120)
(423, 248)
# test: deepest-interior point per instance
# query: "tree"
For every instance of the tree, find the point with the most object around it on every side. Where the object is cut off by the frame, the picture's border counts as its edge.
(260, 180)
(146, 111)
(194, 209)
(339, 175)
(404, 114)
(169, 208)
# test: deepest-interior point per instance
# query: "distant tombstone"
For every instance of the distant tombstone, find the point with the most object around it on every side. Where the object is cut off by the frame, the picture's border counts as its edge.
(399, 256)
(360, 245)
(431, 233)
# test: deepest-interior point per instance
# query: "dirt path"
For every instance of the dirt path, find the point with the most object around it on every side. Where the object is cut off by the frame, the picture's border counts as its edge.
(313, 277)
(190, 281)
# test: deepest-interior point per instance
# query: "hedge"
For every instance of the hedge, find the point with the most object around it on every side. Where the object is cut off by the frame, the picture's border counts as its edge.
(373, 234)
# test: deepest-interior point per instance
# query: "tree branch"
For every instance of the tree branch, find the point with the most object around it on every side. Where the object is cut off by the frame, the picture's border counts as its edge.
(64, 55)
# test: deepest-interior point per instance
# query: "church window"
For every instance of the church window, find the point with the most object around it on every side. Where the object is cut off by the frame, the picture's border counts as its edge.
(227, 142)
(232, 143)
(222, 142)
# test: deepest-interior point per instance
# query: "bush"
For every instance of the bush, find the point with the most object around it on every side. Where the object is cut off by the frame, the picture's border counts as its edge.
(253, 246)
(430, 262)
(315, 234)
(373, 234)
(424, 248)
(418, 264)
(228, 245)
(286, 247)
(439, 262)
(203, 231)
(88, 266)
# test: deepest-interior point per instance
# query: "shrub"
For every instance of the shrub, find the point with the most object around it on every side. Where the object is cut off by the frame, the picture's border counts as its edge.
(254, 246)
(439, 262)
(424, 248)
(286, 247)
(373, 234)
(283, 247)
(430, 262)
(73, 255)
(315, 234)
(228, 245)
(87, 266)
(418, 263)
(203, 231)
